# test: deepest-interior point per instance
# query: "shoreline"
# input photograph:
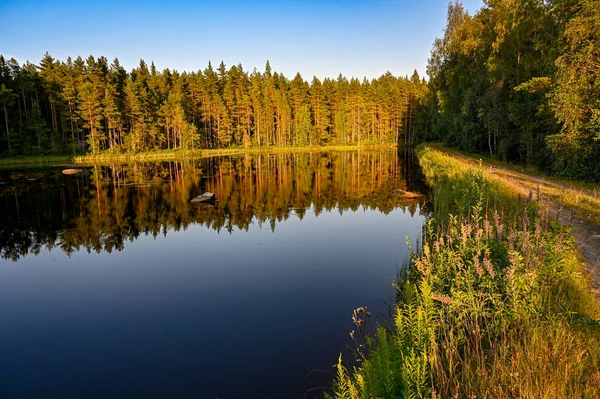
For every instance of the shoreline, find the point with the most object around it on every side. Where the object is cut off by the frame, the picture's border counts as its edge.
(34, 160)
(497, 302)
(166, 155)
(206, 153)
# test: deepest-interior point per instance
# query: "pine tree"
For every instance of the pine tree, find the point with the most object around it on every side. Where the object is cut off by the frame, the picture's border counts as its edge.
(6, 98)
(38, 131)
(90, 111)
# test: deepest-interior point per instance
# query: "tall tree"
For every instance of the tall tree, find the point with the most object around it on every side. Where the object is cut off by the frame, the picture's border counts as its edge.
(94, 105)
(576, 96)
(6, 97)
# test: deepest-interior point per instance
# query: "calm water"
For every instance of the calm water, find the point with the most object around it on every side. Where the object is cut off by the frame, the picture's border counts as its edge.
(113, 285)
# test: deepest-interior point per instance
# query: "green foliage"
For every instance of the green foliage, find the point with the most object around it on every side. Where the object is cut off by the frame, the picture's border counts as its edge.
(95, 106)
(576, 98)
(458, 187)
(495, 305)
(37, 132)
(517, 81)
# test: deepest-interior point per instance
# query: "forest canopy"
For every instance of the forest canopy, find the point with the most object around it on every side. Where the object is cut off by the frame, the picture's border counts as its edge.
(519, 80)
(95, 106)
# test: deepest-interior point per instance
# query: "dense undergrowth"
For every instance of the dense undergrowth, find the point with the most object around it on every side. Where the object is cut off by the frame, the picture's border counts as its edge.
(495, 305)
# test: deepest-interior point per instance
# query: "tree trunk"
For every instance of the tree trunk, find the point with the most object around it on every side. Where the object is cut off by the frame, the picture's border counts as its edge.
(72, 127)
(7, 132)
(24, 104)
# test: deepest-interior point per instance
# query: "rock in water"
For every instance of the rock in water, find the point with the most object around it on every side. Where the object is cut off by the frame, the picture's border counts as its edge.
(408, 194)
(71, 171)
(206, 197)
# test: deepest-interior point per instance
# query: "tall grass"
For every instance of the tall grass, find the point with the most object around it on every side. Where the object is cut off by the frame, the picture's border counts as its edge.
(582, 197)
(163, 155)
(496, 305)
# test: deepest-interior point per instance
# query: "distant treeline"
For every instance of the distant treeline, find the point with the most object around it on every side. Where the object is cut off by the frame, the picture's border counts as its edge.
(94, 106)
(519, 80)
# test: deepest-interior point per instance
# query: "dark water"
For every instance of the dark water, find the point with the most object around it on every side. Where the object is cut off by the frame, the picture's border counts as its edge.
(113, 285)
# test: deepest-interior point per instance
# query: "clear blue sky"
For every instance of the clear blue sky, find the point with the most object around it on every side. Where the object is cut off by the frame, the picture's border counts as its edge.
(322, 38)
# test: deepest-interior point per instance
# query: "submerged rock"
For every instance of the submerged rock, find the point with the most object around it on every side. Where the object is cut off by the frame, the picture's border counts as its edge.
(71, 171)
(408, 194)
(204, 198)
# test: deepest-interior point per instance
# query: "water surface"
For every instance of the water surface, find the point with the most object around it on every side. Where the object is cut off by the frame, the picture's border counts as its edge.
(112, 284)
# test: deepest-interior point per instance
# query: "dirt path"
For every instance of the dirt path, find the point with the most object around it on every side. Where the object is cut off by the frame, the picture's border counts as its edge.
(585, 228)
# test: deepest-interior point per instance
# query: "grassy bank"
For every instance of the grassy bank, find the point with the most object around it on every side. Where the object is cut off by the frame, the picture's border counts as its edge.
(31, 160)
(582, 197)
(165, 155)
(496, 305)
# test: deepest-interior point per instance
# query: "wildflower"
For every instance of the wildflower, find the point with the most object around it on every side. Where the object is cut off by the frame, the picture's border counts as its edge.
(525, 220)
(510, 275)
(477, 265)
(489, 267)
(442, 298)
(538, 229)
(479, 233)
(426, 251)
(498, 224)
(357, 318)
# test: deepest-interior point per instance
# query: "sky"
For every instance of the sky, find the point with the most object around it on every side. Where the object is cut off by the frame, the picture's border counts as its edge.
(357, 38)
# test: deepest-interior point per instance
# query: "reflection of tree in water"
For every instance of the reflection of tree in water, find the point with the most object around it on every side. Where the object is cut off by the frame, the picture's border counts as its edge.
(108, 205)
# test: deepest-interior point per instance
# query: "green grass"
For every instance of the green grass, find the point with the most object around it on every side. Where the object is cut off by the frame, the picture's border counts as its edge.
(581, 197)
(496, 305)
(34, 159)
(201, 153)
(527, 169)
(164, 155)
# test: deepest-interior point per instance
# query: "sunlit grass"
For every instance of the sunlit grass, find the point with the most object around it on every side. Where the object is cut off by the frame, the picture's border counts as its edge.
(202, 153)
(581, 197)
(39, 159)
(496, 305)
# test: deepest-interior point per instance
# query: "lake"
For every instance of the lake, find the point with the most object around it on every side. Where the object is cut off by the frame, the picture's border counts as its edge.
(112, 284)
